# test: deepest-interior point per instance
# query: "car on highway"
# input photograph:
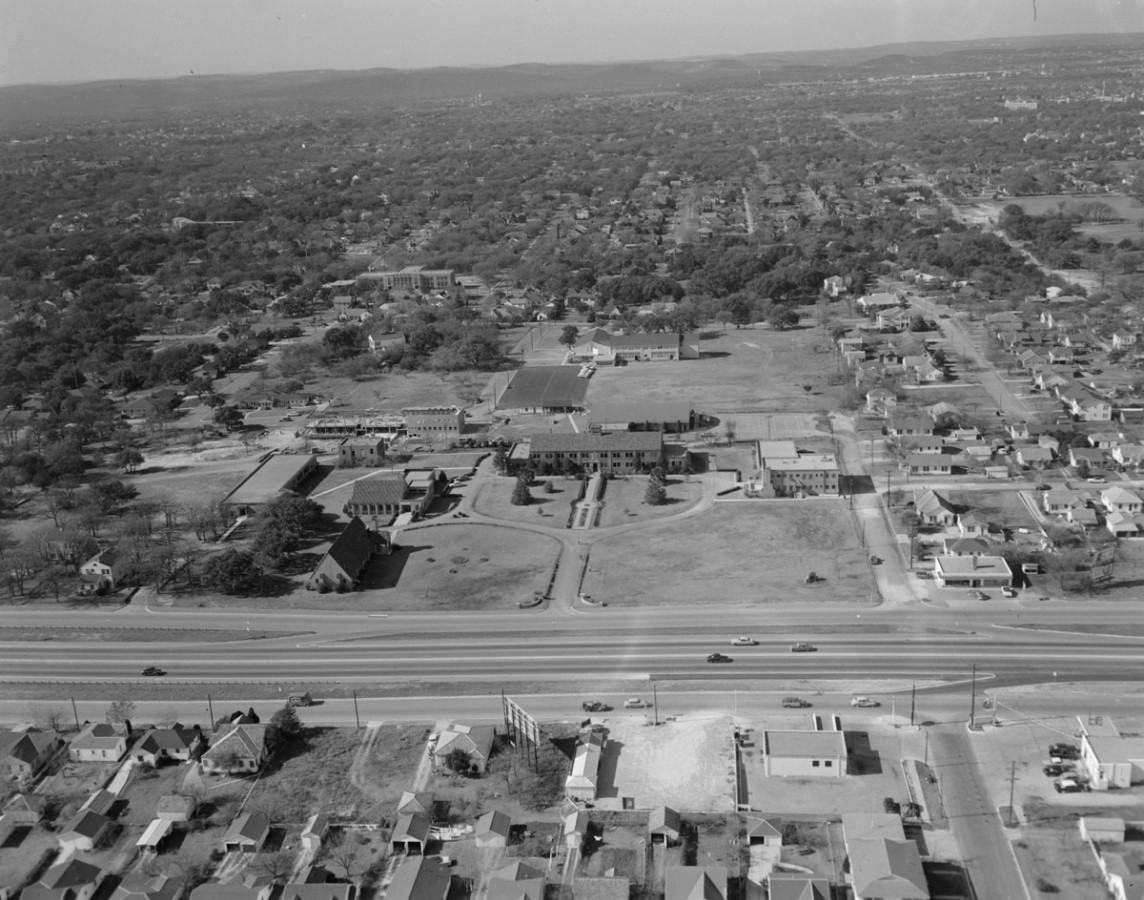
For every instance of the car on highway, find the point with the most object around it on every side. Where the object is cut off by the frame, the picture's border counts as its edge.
(795, 703)
(719, 658)
(924, 574)
(152, 671)
(1098, 479)
(594, 706)
(744, 641)
(1008, 592)
(978, 595)
(634, 703)
(864, 702)
(803, 647)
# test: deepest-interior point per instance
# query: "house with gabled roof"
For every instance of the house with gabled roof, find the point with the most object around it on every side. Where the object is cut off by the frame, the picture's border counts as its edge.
(246, 834)
(102, 572)
(420, 802)
(139, 885)
(695, 883)
(1117, 499)
(420, 878)
(100, 742)
(24, 808)
(410, 834)
(475, 740)
(1121, 525)
(72, 879)
(25, 753)
(928, 464)
(83, 832)
(884, 865)
(933, 508)
(767, 832)
(1059, 502)
(664, 826)
(236, 749)
(1128, 454)
(161, 745)
(348, 557)
(965, 546)
(1035, 457)
(574, 824)
(909, 425)
(319, 891)
(793, 886)
(493, 829)
(516, 881)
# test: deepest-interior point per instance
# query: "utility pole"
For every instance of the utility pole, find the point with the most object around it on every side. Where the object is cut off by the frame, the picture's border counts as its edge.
(655, 703)
(75, 713)
(1012, 788)
(913, 702)
(973, 696)
(210, 707)
(357, 718)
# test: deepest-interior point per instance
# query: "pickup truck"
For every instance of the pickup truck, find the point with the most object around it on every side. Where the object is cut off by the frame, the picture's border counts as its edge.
(594, 706)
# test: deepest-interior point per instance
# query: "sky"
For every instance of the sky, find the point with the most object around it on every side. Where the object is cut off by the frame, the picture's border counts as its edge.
(89, 40)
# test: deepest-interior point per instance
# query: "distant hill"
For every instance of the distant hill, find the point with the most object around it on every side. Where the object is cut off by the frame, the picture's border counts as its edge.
(331, 90)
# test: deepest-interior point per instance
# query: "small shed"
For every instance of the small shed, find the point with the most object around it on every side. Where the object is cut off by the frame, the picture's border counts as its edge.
(1102, 830)
(246, 834)
(315, 831)
(493, 829)
(419, 802)
(767, 832)
(663, 826)
(24, 809)
(152, 839)
(410, 834)
(101, 802)
(575, 822)
(175, 807)
(83, 832)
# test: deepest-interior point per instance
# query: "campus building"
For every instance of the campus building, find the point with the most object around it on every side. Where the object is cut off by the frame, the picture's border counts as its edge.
(276, 474)
(605, 348)
(800, 476)
(614, 453)
(434, 422)
(411, 278)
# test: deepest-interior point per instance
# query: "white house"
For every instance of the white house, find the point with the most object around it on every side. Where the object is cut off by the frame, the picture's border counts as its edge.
(101, 573)
(801, 754)
(1117, 499)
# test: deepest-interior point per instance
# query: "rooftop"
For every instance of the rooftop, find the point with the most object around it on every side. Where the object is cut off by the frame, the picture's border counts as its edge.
(808, 744)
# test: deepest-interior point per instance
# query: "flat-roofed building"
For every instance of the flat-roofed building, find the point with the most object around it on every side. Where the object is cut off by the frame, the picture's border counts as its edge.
(280, 472)
(363, 451)
(1108, 758)
(411, 278)
(672, 416)
(618, 452)
(802, 754)
(972, 571)
(434, 422)
(805, 475)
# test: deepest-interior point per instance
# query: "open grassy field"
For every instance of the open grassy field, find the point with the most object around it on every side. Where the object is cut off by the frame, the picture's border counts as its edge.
(741, 370)
(737, 552)
(551, 509)
(624, 499)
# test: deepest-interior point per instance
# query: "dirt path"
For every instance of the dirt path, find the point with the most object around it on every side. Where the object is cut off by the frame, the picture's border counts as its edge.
(425, 764)
(357, 768)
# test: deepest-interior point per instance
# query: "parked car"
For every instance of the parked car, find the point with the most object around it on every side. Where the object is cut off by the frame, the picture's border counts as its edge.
(1065, 751)
(924, 574)
(802, 647)
(594, 706)
(978, 595)
(864, 701)
(634, 703)
(300, 699)
(1055, 769)
(743, 641)
(1008, 592)
(719, 658)
(152, 671)
(795, 703)
(1069, 786)
(1097, 479)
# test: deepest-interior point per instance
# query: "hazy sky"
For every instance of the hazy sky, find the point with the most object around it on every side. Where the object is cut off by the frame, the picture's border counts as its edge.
(85, 40)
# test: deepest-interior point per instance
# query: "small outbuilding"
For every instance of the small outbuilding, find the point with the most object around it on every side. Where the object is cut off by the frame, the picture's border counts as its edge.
(1102, 829)
(410, 834)
(493, 829)
(663, 826)
(765, 832)
(246, 834)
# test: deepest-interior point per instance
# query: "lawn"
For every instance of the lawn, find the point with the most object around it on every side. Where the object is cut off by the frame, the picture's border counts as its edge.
(552, 508)
(623, 499)
(400, 390)
(740, 370)
(1005, 507)
(757, 552)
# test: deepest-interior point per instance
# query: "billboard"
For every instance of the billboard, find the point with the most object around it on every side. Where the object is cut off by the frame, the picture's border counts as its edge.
(518, 723)
(1102, 560)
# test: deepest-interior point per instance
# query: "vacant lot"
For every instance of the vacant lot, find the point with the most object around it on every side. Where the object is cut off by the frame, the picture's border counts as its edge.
(740, 371)
(686, 764)
(759, 552)
(1004, 507)
(400, 390)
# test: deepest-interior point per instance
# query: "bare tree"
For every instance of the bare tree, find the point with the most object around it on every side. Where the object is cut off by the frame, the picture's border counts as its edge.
(120, 710)
(278, 865)
(347, 854)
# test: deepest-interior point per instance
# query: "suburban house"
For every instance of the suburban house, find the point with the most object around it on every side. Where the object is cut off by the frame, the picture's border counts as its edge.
(85, 830)
(664, 826)
(873, 303)
(582, 783)
(475, 740)
(315, 831)
(101, 573)
(416, 802)
(1117, 499)
(972, 571)
(767, 832)
(410, 834)
(1083, 515)
(100, 742)
(434, 422)
(348, 557)
(928, 464)
(801, 754)
(1128, 454)
(516, 881)
(139, 885)
(176, 807)
(493, 829)
(1035, 457)
(792, 886)
(1120, 525)
(24, 753)
(880, 400)
(617, 452)
(934, 509)
(236, 750)
(72, 879)
(973, 524)
(962, 546)
(834, 286)
(361, 451)
(1086, 457)
(695, 883)
(246, 834)
(1109, 759)
(162, 744)
(922, 443)
(883, 862)
(899, 426)
(1059, 502)
(420, 878)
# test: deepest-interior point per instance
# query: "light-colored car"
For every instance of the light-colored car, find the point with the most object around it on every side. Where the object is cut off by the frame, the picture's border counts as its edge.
(979, 595)
(634, 703)
(1008, 592)
(743, 641)
(864, 701)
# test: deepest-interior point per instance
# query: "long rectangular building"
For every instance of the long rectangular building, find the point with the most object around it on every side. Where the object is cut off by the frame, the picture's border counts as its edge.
(618, 452)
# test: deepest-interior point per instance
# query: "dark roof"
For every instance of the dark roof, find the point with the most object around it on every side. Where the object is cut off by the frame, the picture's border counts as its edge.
(87, 824)
(351, 549)
(645, 411)
(647, 441)
(420, 878)
(553, 387)
(386, 491)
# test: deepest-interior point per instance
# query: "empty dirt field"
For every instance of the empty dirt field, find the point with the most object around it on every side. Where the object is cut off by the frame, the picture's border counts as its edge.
(687, 764)
(757, 552)
(752, 369)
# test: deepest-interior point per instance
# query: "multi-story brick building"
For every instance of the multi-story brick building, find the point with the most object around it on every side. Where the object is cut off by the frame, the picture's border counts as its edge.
(434, 422)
